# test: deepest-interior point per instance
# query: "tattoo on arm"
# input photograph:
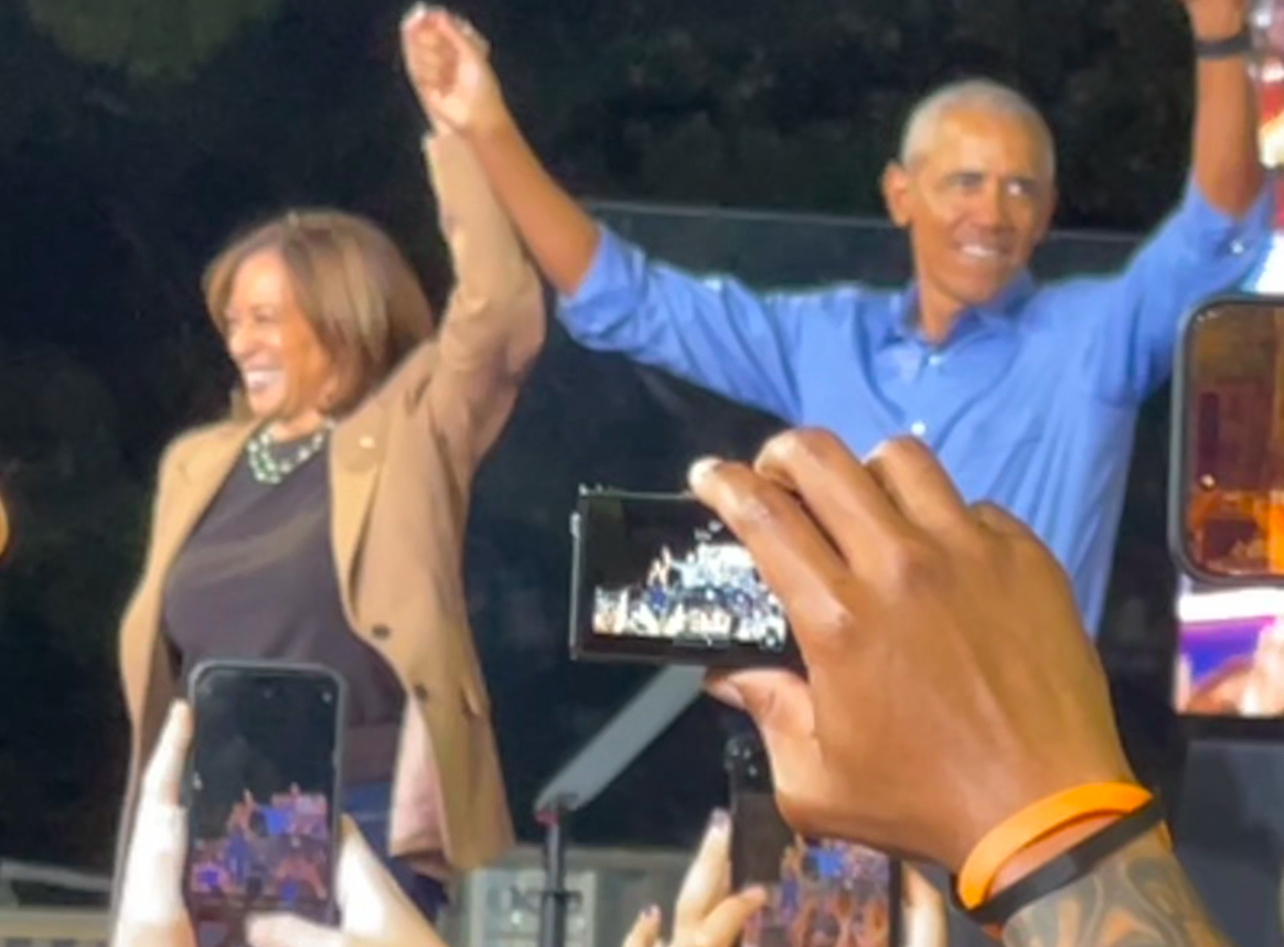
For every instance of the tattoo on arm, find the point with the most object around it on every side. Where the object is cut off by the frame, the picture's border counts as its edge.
(1139, 897)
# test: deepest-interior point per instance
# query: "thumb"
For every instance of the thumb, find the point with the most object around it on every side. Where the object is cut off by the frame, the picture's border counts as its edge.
(374, 906)
(924, 924)
(151, 891)
(780, 704)
(778, 701)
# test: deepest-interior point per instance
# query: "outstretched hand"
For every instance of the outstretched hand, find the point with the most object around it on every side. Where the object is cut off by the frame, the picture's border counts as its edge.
(447, 61)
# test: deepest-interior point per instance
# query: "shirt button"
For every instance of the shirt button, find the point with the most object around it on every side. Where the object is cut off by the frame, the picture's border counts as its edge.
(934, 359)
(381, 632)
(1237, 247)
(918, 428)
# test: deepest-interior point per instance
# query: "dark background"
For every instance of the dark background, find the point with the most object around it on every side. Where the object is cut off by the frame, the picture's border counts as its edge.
(135, 134)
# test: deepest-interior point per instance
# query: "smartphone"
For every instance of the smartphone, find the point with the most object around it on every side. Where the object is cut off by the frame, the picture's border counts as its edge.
(658, 578)
(821, 893)
(1226, 518)
(263, 793)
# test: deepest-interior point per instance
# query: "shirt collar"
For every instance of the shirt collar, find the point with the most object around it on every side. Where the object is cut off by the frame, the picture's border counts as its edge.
(999, 313)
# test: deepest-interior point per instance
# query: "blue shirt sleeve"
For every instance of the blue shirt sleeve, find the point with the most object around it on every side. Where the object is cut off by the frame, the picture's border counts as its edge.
(1135, 319)
(712, 331)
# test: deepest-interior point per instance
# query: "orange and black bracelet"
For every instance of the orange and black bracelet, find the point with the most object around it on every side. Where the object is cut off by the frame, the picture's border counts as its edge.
(1067, 868)
(1038, 821)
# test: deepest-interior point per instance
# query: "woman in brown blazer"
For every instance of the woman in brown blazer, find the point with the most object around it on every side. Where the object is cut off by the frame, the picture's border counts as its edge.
(324, 521)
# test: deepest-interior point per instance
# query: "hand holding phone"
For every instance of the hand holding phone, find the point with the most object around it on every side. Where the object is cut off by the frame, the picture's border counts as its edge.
(821, 892)
(264, 793)
(152, 912)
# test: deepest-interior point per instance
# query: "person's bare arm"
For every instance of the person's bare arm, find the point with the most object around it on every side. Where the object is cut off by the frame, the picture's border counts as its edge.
(1227, 168)
(1139, 897)
(560, 236)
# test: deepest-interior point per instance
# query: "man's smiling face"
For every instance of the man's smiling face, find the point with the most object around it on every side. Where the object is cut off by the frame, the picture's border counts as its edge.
(976, 201)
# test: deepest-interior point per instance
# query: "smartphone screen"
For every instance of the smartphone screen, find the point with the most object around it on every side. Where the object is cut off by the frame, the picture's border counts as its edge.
(821, 893)
(659, 578)
(263, 788)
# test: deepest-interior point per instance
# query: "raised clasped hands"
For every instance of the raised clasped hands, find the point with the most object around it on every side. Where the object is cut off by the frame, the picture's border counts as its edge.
(447, 61)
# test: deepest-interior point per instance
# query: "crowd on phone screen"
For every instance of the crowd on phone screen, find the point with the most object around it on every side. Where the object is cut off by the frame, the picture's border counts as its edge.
(277, 850)
(713, 591)
(831, 894)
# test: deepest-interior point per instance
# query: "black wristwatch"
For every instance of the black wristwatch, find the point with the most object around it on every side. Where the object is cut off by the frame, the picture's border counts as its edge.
(1237, 45)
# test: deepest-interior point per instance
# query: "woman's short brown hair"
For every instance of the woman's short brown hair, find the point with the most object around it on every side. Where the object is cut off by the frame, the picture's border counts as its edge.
(352, 284)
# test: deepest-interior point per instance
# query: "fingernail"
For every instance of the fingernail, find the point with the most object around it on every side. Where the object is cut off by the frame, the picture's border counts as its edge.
(414, 13)
(719, 820)
(701, 469)
(650, 912)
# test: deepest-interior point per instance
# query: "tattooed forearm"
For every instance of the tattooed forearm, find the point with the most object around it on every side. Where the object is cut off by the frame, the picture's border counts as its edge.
(1137, 898)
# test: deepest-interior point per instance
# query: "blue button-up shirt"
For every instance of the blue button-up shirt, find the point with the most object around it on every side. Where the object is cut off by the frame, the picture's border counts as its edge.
(1030, 402)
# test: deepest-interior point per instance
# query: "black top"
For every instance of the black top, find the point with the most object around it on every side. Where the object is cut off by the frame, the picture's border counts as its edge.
(257, 581)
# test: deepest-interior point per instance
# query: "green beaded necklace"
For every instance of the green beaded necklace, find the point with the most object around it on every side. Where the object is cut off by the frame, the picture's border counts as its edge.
(270, 469)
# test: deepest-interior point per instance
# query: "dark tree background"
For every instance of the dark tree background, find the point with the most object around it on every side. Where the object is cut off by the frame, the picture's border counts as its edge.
(134, 134)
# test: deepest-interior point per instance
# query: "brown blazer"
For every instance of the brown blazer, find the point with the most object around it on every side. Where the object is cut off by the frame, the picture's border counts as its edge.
(401, 469)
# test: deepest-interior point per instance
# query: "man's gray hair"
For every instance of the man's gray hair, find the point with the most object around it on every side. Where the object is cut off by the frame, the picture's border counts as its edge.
(984, 95)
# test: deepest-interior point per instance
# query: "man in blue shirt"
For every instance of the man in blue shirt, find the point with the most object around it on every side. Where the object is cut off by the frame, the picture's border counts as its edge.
(1028, 393)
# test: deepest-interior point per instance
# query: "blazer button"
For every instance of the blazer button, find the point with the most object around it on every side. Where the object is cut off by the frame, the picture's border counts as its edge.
(421, 693)
(381, 632)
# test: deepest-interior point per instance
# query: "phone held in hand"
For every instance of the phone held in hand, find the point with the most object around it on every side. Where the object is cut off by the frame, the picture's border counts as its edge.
(821, 893)
(658, 578)
(263, 794)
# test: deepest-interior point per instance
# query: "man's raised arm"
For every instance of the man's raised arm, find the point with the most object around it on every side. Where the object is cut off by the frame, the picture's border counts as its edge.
(1225, 160)
(1217, 236)
(716, 333)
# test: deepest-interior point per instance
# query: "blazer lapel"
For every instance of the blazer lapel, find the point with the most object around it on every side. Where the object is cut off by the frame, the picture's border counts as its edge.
(356, 454)
(201, 475)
